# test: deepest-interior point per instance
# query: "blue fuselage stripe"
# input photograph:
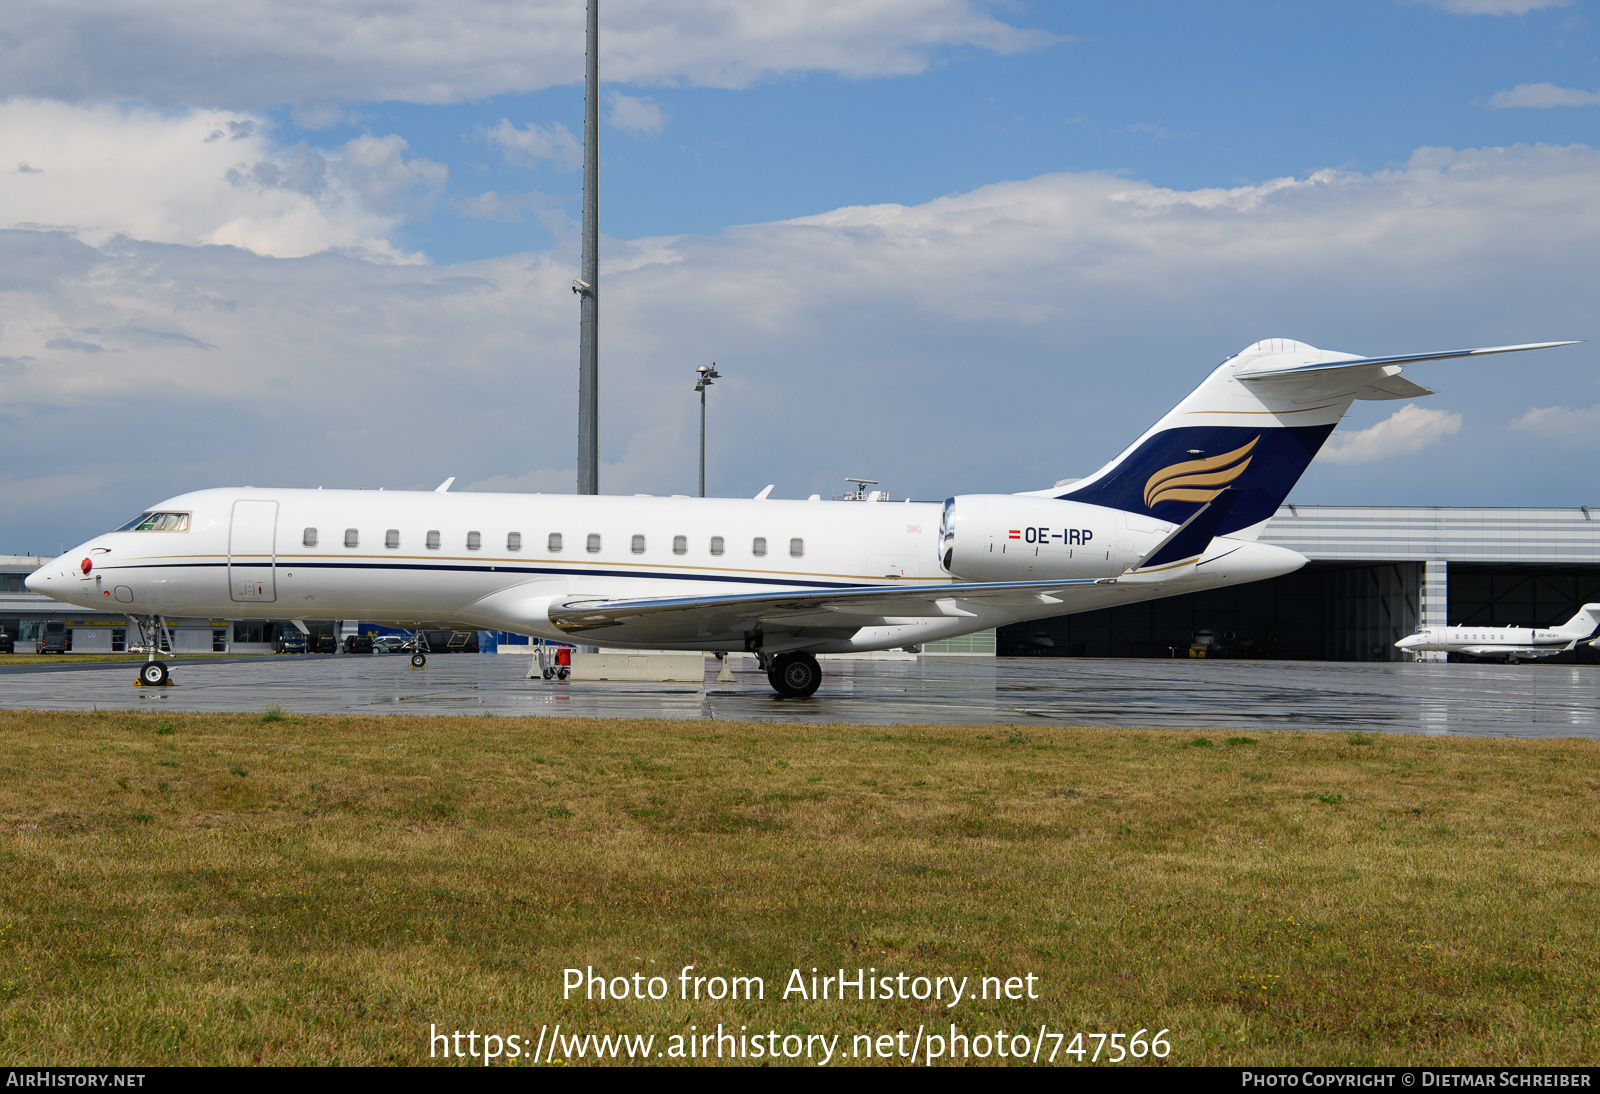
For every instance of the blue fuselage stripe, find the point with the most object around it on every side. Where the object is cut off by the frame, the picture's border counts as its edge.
(439, 567)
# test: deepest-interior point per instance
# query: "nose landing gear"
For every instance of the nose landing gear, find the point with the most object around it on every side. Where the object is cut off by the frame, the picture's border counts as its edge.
(155, 637)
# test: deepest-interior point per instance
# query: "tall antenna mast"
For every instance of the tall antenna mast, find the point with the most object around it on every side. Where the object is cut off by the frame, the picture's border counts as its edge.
(588, 286)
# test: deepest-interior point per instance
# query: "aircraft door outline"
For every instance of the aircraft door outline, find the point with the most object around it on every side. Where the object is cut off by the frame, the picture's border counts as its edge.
(252, 534)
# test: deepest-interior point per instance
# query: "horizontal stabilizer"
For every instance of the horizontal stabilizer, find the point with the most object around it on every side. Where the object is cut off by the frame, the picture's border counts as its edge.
(1296, 371)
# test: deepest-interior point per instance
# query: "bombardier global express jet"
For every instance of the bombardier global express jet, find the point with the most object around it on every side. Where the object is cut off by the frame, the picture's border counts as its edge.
(1178, 511)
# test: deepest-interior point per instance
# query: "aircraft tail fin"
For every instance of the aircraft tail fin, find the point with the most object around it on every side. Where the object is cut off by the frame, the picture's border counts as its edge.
(1583, 624)
(1252, 428)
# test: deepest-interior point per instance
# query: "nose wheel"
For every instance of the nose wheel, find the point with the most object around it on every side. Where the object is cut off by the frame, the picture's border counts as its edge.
(153, 674)
(419, 660)
(795, 675)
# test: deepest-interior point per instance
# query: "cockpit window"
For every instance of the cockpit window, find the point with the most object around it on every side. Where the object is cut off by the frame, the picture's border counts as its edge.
(157, 522)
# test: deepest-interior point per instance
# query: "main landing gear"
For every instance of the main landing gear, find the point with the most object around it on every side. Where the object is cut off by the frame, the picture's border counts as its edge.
(793, 675)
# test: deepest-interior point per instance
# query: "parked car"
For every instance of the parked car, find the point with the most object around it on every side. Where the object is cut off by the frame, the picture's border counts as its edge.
(8, 642)
(55, 638)
(325, 643)
(358, 643)
(389, 643)
(290, 642)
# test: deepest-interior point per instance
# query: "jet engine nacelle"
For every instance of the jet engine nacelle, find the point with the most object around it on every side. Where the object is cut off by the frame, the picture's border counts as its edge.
(1010, 537)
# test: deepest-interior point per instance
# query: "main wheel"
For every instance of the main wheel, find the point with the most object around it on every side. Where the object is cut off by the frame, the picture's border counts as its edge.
(418, 660)
(153, 674)
(795, 675)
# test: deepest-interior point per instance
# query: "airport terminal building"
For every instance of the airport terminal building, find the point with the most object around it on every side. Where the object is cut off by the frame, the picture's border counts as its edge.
(1376, 574)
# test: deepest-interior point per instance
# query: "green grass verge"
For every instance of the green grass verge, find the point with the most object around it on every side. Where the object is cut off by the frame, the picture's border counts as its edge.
(186, 889)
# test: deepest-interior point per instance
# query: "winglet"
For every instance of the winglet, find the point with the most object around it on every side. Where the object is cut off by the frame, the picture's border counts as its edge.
(763, 495)
(444, 486)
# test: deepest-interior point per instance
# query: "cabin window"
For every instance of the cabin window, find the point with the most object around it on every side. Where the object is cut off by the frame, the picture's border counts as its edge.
(391, 539)
(308, 538)
(797, 548)
(593, 546)
(474, 541)
(716, 545)
(680, 545)
(555, 543)
(758, 547)
(637, 547)
(433, 539)
(513, 541)
(352, 538)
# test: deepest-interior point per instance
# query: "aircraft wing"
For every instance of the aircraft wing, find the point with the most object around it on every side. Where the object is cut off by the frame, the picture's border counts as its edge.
(805, 607)
(1514, 651)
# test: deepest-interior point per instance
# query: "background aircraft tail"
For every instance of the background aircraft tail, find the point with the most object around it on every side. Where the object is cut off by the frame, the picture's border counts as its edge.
(1251, 428)
(1583, 624)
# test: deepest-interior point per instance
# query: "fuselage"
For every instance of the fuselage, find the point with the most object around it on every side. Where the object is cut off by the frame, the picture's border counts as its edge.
(1489, 641)
(498, 561)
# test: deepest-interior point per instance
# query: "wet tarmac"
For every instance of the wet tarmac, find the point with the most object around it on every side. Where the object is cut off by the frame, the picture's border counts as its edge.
(1465, 699)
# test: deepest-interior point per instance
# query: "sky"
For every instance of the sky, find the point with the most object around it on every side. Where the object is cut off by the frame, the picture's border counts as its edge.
(951, 245)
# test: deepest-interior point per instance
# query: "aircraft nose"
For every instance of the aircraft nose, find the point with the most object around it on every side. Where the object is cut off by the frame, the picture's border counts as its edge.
(35, 582)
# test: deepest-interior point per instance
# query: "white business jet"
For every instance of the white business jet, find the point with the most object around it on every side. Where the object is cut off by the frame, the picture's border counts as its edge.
(1513, 643)
(1176, 512)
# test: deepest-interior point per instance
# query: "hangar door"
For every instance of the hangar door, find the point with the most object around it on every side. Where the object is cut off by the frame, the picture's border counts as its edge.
(251, 558)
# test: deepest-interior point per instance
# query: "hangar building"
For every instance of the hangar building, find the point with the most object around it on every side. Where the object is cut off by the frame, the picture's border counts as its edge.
(1376, 574)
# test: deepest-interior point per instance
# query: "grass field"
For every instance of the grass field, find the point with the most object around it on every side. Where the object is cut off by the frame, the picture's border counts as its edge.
(185, 889)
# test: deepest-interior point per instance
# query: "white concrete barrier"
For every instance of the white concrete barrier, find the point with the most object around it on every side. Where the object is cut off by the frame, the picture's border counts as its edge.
(677, 668)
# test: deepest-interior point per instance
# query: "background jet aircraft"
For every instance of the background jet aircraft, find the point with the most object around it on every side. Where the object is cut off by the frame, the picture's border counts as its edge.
(1179, 510)
(1513, 643)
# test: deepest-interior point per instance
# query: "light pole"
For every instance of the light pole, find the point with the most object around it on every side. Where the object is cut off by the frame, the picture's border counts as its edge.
(707, 373)
(588, 284)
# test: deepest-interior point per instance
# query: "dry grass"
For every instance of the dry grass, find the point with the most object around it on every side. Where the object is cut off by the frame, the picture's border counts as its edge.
(234, 889)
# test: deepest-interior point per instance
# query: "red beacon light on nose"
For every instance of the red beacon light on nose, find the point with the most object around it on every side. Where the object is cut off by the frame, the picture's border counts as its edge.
(85, 566)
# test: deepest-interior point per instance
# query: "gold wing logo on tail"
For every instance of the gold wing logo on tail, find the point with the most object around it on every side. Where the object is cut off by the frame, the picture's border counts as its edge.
(1197, 480)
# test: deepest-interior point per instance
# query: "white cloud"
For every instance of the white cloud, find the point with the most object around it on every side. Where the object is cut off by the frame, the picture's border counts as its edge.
(641, 117)
(534, 144)
(1408, 430)
(988, 341)
(203, 176)
(1564, 424)
(387, 182)
(1492, 7)
(1542, 97)
(255, 53)
(511, 208)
